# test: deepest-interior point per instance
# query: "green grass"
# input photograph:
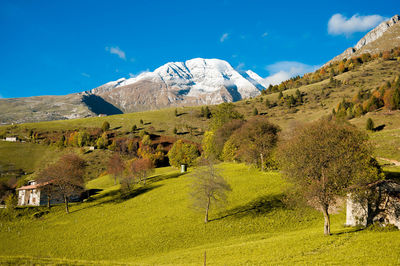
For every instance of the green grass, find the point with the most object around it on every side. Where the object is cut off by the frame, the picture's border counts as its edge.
(26, 156)
(157, 226)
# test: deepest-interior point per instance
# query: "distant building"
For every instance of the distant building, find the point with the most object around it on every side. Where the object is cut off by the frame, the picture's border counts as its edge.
(34, 195)
(92, 148)
(385, 209)
(102, 115)
(11, 139)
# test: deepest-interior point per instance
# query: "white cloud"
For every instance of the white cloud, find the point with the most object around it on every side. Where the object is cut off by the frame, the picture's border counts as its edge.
(284, 70)
(85, 74)
(116, 50)
(265, 34)
(224, 37)
(339, 24)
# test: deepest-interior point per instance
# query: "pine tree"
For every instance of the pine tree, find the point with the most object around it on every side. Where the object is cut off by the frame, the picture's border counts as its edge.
(255, 111)
(207, 112)
(280, 95)
(105, 126)
(370, 124)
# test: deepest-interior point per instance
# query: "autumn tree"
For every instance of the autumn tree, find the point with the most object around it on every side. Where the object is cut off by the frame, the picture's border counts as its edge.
(323, 160)
(214, 141)
(137, 170)
(183, 153)
(115, 166)
(208, 188)
(66, 176)
(255, 141)
(223, 113)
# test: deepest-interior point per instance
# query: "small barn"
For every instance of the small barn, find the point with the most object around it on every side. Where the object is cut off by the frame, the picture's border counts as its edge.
(384, 208)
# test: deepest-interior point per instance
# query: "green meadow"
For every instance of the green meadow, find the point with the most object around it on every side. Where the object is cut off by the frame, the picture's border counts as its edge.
(156, 224)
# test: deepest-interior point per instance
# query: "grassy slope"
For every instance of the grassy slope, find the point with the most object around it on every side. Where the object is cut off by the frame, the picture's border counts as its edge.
(26, 156)
(158, 227)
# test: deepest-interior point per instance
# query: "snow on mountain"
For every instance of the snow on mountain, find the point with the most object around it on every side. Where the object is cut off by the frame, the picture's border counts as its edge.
(196, 81)
(198, 76)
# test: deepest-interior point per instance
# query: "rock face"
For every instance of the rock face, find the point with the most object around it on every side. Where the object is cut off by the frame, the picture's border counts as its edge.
(194, 82)
(384, 208)
(384, 37)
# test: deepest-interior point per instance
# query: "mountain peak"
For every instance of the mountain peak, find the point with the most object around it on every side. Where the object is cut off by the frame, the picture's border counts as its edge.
(383, 37)
(192, 82)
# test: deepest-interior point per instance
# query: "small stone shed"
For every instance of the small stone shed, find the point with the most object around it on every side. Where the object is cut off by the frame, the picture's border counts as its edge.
(34, 195)
(385, 208)
(30, 195)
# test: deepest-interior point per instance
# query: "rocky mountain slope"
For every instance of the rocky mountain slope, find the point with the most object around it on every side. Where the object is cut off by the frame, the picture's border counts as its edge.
(382, 38)
(194, 82)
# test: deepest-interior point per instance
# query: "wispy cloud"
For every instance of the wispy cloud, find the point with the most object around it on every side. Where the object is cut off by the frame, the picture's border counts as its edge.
(265, 34)
(132, 75)
(284, 70)
(339, 24)
(224, 37)
(116, 50)
(240, 66)
(85, 74)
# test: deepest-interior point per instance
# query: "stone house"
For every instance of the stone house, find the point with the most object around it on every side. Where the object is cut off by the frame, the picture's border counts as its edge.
(11, 139)
(385, 207)
(33, 194)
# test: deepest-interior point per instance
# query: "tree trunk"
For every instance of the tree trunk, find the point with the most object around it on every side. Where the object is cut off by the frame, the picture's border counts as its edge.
(48, 202)
(66, 204)
(205, 258)
(115, 180)
(327, 223)
(262, 162)
(207, 208)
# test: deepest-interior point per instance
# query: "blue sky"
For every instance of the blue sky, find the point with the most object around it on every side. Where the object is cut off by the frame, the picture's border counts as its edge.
(61, 47)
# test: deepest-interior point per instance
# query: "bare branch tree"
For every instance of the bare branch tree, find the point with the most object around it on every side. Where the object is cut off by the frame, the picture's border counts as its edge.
(208, 187)
(115, 166)
(65, 177)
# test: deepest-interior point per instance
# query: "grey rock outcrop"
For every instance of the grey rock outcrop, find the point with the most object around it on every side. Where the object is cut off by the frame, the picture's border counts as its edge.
(383, 37)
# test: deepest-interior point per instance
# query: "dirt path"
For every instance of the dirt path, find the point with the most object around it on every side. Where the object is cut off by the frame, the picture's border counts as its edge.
(396, 163)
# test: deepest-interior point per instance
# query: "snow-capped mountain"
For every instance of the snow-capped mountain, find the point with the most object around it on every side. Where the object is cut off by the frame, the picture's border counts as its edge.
(194, 82)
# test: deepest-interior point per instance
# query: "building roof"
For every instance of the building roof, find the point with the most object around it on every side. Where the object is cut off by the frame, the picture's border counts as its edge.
(33, 186)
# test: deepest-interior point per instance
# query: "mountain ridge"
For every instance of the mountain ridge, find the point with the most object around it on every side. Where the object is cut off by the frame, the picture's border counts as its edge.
(366, 44)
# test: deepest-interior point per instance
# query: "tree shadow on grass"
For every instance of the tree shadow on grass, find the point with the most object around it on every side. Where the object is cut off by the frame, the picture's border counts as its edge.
(118, 196)
(352, 230)
(158, 178)
(257, 207)
(392, 175)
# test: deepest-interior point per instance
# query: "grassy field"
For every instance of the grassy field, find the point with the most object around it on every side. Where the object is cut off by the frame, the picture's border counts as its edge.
(156, 225)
